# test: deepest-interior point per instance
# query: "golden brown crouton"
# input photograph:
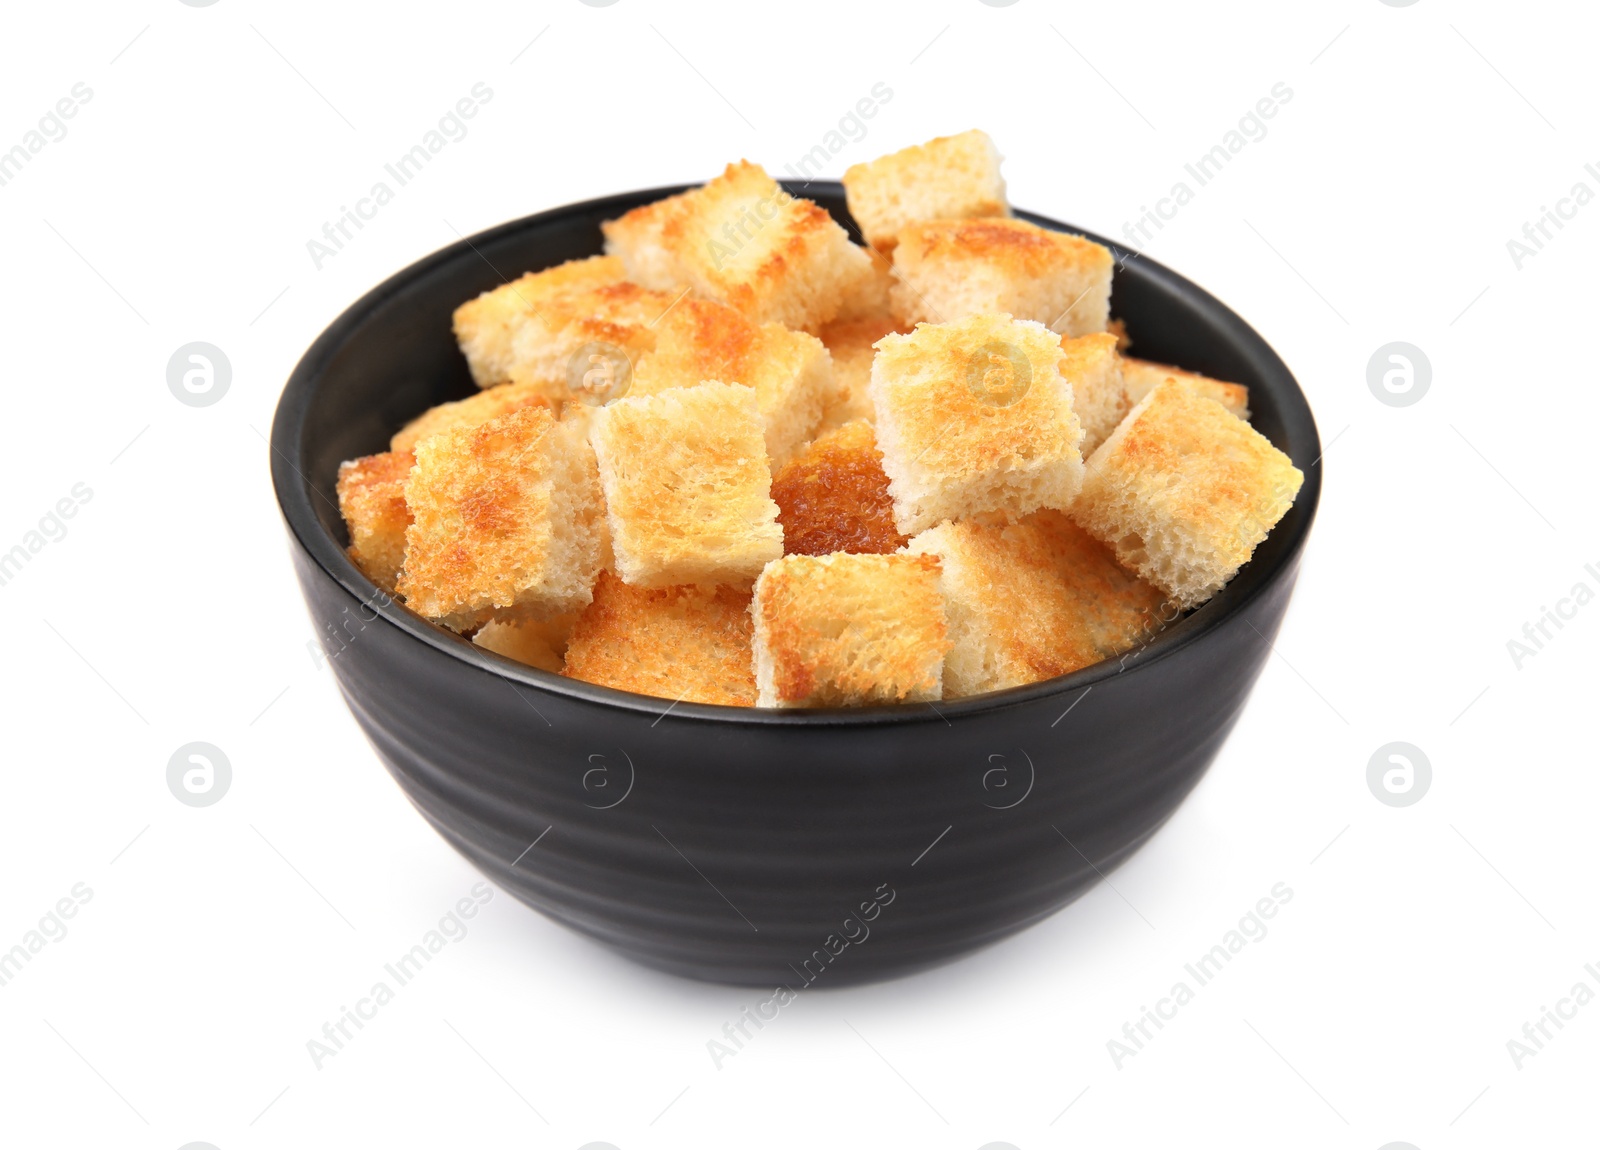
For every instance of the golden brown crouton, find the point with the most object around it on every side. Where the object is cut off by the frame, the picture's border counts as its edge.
(578, 336)
(790, 371)
(539, 643)
(1032, 600)
(506, 521)
(372, 499)
(486, 327)
(1183, 491)
(849, 342)
(683, 643)
(835, 497)
(1140, 376)
(687, 485)
(744, 241)
(844, 630)
(950, 269)
(949, 178)
(469, 412)
(1091, 366)
(870, 299)
(972, 417)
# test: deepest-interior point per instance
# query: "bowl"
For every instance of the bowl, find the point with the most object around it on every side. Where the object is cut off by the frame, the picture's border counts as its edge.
(754, 846)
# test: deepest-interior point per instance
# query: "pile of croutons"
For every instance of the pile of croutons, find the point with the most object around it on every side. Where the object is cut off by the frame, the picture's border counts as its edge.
(740, 459)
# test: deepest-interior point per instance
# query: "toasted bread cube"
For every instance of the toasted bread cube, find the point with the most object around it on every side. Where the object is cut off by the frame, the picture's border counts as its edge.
(506, 521)
(1119, 328)
(1183, 491)
(850, 344)
(687, 485)
(486, 327)
(845, 630)
(583, 344)
(683, 643)
(1140, 376)
(469, 412)
(539, 643)
(372, 499)
(1090, 363)
(973, 417)
(744, 241)
(870, 297)
(950, 269)
(949, 178)
(790, 371)
(835, 497)
(1032, 600)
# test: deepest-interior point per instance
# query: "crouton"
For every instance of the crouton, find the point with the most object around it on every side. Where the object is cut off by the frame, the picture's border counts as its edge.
(842, 630)
(486, 327)
(682, 643)
(1032, 600)
(469, 412)
(506, 521)
(870, 297)
(1183, 491)
(949, 178)
(1091, 365)
(539, 643)
(583, 344)
(1140, 376)
(835, 496)
(744, 241)
(687, 485)
(973, 417)
(950, 269)
(849, 343)
(1119, 329)
(372, 499)
(790, 371)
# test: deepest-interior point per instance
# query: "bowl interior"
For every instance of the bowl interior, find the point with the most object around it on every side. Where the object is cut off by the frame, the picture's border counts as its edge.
(392, 355)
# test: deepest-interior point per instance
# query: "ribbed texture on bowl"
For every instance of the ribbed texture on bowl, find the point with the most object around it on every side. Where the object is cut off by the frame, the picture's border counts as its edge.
(783, 832)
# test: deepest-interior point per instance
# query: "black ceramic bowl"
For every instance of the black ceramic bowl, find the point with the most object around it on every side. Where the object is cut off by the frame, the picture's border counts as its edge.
(763, 846)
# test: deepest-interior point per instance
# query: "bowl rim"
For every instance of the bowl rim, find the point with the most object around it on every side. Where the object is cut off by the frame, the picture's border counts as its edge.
(295, 492)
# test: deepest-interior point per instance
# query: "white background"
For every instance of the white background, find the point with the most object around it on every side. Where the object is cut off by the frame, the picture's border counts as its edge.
(218, 140)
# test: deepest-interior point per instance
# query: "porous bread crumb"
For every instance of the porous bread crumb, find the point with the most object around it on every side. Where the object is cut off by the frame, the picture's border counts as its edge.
(869, 299)
(835, 497)
(486, 326)
(1091, 366)
(687, 485)
(1140, 376)
(974, 417)
(850, 344)
(845, 630)
(791, 372)
(372, 499)
(742, 240)
(575, 335)
(1032, 600)
(469, 412)
(539, 643)
(505, 521)
(946, 270)
(691, 644)
(947, 178)
(1183, 491)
